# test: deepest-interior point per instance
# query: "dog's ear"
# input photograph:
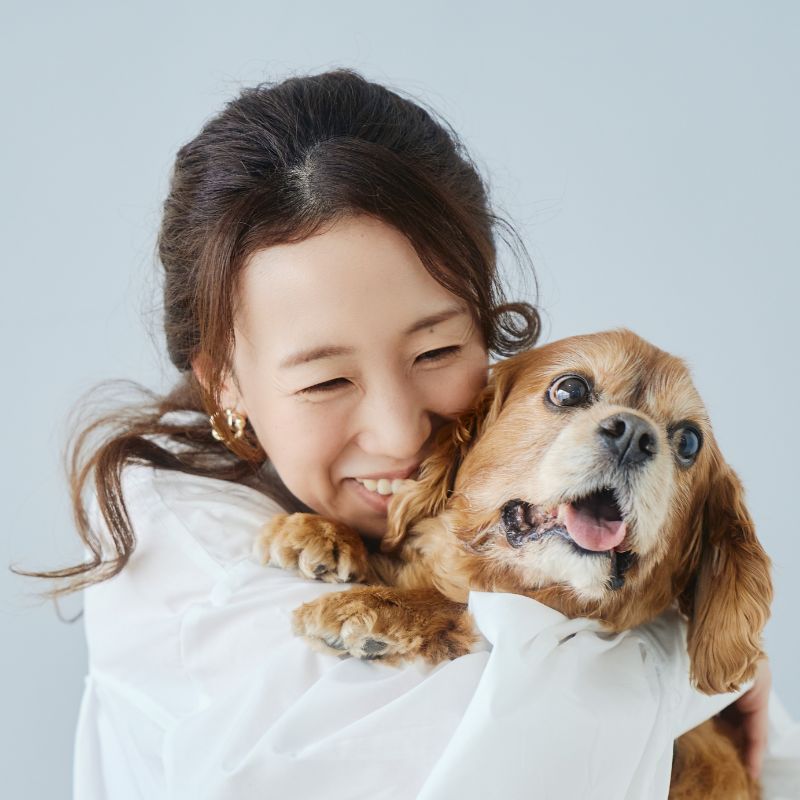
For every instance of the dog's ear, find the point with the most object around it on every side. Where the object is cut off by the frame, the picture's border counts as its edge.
(729, 601)
(430, 492)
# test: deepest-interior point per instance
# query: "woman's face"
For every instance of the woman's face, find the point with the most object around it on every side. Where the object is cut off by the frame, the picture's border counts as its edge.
(348, 357)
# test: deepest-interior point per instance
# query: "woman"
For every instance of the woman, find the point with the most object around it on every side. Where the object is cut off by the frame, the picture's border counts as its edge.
(331, 299)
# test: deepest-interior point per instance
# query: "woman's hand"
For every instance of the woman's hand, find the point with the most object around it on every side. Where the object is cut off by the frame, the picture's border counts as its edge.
(749, 715)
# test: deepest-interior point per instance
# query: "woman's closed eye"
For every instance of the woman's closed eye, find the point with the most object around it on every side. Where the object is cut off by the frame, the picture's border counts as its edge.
(442, 352)
(335, 383)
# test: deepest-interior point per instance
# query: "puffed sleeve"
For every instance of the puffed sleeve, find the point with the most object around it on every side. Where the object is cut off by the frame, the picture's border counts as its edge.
(563, 709)
(666, 635)
(780, 775)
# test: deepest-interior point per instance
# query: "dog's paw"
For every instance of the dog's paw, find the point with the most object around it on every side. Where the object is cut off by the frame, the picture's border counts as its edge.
(354, 623)
(390, 625)
(318, 548)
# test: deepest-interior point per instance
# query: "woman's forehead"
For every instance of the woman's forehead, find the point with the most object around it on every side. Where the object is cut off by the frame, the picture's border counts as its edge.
(360, 277)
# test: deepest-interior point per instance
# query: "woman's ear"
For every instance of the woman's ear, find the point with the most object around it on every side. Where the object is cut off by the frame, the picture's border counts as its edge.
(229, 397)
(428, 495)
(732, 591)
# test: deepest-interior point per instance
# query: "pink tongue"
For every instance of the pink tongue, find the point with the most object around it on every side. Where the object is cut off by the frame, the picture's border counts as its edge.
(592, 533)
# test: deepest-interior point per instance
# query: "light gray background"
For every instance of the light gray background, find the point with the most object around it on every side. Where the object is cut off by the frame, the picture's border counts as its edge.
(649, 156)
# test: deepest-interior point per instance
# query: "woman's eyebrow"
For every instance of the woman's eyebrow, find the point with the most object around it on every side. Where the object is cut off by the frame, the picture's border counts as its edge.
(434, 319)
(329, 351)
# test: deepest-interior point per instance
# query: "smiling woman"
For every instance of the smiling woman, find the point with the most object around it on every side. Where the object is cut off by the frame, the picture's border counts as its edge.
(341, 305)
(348, 358)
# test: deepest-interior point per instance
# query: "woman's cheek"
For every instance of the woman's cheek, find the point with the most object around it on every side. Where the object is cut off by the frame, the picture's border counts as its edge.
(469, 383)
(288, 429)
(303, 444)
(319, 429)
(302, 427)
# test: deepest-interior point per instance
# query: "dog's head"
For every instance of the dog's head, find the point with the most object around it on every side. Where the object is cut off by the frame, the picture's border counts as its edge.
(587, 476)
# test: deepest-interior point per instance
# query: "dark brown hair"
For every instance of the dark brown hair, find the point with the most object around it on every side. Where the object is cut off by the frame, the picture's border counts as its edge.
(280, 161)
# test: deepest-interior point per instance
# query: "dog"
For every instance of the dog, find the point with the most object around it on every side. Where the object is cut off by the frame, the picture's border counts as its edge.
(586, 477)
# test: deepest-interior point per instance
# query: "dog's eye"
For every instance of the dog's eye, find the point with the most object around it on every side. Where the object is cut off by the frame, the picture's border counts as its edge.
(687, 443)
(568, 390)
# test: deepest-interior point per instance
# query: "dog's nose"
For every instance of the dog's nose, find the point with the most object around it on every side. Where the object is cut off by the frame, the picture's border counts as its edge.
(628, 437)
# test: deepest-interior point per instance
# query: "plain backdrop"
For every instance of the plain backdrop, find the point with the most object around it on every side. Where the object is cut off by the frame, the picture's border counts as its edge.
(648, 155)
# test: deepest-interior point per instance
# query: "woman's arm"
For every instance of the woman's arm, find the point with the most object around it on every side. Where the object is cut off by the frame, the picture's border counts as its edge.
(199, 689)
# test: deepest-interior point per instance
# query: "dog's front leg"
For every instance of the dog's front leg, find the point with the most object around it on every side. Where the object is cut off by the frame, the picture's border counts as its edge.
(393, 625)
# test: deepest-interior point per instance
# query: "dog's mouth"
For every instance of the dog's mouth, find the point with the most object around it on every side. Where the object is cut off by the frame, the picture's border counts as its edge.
(594, 522)
(593, 525)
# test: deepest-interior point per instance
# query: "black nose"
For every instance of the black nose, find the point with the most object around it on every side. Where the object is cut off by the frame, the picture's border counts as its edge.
(629, 438)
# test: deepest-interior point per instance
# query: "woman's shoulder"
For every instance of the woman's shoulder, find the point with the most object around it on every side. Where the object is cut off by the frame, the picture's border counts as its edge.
(220, 517)
(148, 485)
(193, 544)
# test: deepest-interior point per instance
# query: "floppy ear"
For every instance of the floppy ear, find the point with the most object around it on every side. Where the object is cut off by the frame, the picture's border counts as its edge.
(428, 497)
(732, 591)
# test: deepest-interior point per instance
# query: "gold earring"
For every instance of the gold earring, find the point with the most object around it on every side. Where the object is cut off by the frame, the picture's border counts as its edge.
(234, 425)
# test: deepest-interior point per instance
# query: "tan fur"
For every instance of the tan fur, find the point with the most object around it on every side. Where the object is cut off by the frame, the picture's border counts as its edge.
(707, 765)
(694, 541)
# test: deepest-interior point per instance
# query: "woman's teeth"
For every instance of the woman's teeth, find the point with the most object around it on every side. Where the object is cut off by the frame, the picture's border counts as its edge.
(384, 485)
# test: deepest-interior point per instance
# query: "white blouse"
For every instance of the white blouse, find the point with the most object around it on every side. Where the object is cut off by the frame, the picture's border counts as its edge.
(197, 689)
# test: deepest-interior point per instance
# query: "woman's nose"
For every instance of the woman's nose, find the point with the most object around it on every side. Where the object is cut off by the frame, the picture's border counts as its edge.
(394, 422)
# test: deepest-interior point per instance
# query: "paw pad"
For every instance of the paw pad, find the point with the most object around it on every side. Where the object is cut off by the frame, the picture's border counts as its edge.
(372, 648)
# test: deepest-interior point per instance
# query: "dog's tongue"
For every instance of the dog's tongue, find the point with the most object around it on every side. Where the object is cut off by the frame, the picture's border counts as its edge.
(590, 532)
